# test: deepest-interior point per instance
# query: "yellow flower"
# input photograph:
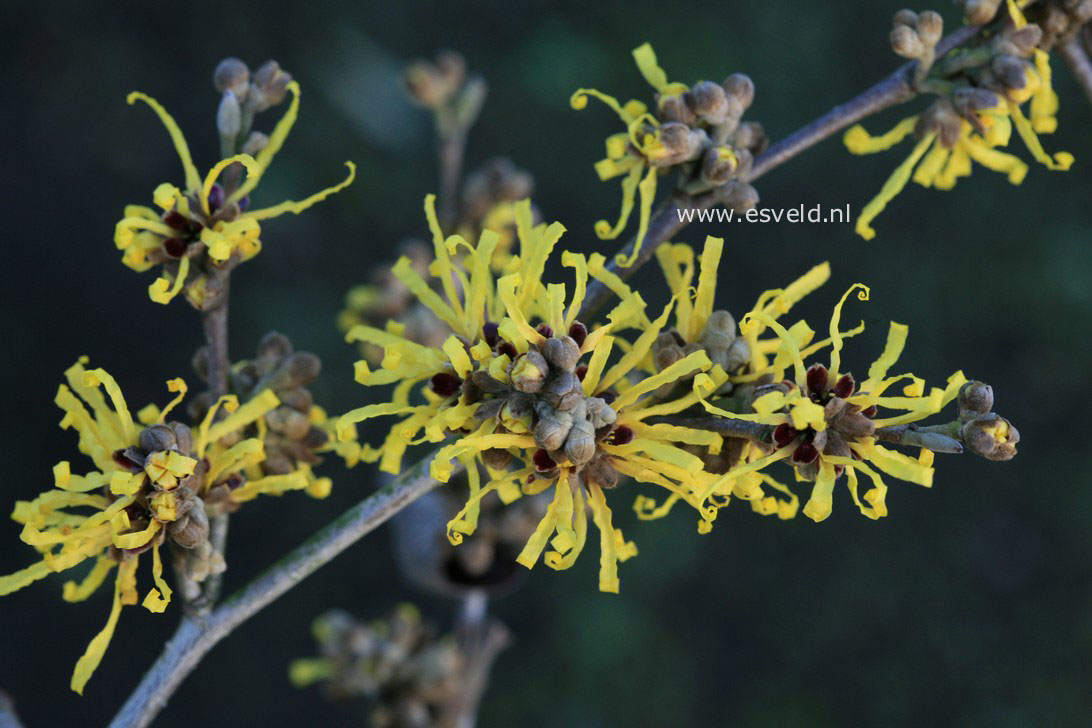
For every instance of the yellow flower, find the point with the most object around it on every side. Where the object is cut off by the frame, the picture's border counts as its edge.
(147, 487)
(948, 142)
(823, 424)
(196, 228)
(739, 361)
(639, 153)
(518, 398)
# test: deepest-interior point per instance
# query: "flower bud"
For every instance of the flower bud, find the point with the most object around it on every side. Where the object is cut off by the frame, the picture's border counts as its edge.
(191, 529)
(270, 85)
(930, 27)
(1010, 71)
(529, 372)
(709, 102)
(157, 438)
(274, 346)
(991, 436)
(750, 135)
(183, 435)
(232, 75)
(291, 423)
(676, 108)
(979, 12)
(905, 17)
(740, 86)
(600, 414)
(552, 428)
(229, 116)
(580, 442)
(739, 196)
(905, 42)
(1023, 40)
(515, 415)
(719, 332)
(600, 471)
(496, 458)
(255, 143)
(561, 352)
(976, 397)
(666, 351)
(678, 143)
(968, 100)
(718, 166)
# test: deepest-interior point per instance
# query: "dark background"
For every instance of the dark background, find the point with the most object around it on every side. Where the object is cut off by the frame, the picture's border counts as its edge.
(971, 604)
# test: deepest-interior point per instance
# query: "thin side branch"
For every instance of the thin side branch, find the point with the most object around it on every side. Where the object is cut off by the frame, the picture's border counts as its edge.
(894, 89)
(721, 425)
(1075, 57)
(197, 634)
(937, 438)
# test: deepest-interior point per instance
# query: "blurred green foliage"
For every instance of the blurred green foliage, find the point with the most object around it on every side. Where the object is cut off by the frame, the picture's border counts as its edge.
(971, 604)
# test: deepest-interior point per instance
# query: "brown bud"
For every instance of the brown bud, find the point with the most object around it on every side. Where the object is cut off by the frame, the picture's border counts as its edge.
(676, 108)
(719, 165)
(600, 471)
(550, 431)
(156, 438)
(905, 42)
(192, 529)
(255, 142)
(979, 12)
(269, 86)
(719, 332)
(529, 371)
(1025, 39)
(991, 436)
(741, 87)
(680, 144)
(1010, 71)
(930, 27)
(274, 346)
(183, 435)
(580, 442)
(739, 196)
(750, 135)
(298, 369)
(709, 102)
(600, 414)
(289, 422)
(232, 74)
(975, 397)
(496, 458)
(905, 17)
(561, 352)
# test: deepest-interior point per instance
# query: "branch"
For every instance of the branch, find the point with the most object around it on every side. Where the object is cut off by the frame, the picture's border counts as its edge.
(894, 89)
(937, 438)
(8, 717)
(197, 634)
(721, 425)
(215, 325)
(1080, 66)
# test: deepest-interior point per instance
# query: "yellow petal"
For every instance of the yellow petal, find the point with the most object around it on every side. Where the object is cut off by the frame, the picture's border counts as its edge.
(193, 179)
(89, 662)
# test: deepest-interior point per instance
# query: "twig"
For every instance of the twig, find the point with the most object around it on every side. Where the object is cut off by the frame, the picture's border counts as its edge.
(721, 425)
(894, 89)
(480, 641)
(1079, 65)
(937, 438)
(215, 324)
(451, 146)
(197, 634)
(8, 717)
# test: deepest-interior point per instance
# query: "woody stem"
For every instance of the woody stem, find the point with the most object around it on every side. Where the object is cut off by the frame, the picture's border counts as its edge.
(215, 325)
(1073, 53)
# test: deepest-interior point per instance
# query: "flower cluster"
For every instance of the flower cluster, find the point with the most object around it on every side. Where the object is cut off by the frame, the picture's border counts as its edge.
(530, 400)
(411, 675)
(208, 226)
(696, 129)
(155, 481)
(981, 93)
